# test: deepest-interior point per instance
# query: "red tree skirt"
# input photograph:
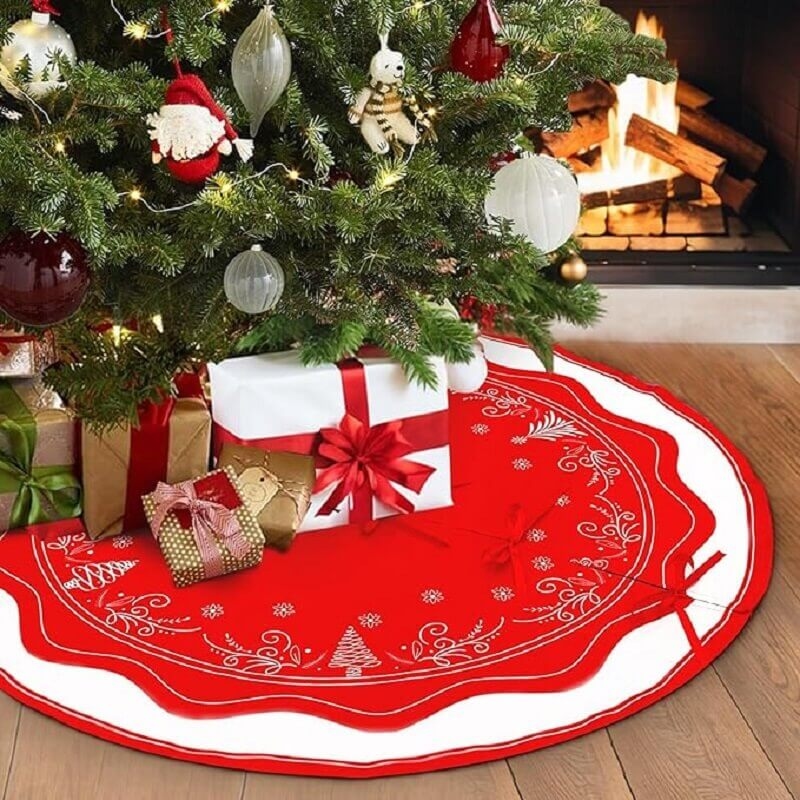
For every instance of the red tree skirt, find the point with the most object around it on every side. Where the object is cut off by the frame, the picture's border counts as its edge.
(605, 546)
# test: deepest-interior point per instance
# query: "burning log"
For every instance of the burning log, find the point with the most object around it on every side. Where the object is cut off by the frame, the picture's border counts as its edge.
(589, 161)
(723, 139)
(690, 96)
(597, 94)
(588, 130)
(681, 187)
(691, 158)
(736, 194)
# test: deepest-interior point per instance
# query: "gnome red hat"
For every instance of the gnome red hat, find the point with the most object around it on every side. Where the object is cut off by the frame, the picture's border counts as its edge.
(44, 7)
(191, 130)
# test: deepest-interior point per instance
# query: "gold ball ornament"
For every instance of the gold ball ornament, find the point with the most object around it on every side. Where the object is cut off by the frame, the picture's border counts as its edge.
(573, 269)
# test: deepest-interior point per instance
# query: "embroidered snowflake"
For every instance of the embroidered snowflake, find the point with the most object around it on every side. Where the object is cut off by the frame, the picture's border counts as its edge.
(432, 596)
(521, 464)
(212, 611)
(519, 440)
(122, 542)
(283, 610)
(536, 535)
(479, 429)
(503, 593)
(542, 563)
(564, 500)
(370, 620)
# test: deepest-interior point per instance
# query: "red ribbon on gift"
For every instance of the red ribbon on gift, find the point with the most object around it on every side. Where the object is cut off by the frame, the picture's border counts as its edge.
(213, 524)
(149, 448)
(360, 459)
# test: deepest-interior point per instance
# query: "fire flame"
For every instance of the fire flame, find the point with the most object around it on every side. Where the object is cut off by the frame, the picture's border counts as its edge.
(622, 165)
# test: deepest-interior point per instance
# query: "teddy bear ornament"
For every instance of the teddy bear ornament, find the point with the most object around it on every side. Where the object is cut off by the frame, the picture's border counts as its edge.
(378, 109)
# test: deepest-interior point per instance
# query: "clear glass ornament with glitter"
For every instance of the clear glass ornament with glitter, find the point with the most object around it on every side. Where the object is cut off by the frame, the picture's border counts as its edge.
(261, 66)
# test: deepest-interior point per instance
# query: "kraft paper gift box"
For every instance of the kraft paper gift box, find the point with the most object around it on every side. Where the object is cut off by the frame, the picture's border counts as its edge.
(24, 356)
(276, 486)
(381, 443)
(38, 480)
(172, 443)
(204, 527)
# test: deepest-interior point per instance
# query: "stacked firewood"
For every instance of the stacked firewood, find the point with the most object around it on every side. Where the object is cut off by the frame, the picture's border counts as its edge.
(715, 165)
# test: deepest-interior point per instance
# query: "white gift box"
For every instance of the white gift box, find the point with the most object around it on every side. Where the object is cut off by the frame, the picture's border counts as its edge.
(264, 401)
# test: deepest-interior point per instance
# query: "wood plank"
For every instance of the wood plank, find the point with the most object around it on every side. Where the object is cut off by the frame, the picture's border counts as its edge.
(52, 760)
(587, 768)
(762, 673)
(492, 780)
(9, 719)
(750, 396)
(789, 356)
(695, 744)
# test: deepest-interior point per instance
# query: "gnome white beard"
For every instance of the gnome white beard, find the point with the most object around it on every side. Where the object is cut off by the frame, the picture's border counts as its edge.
(184, 132)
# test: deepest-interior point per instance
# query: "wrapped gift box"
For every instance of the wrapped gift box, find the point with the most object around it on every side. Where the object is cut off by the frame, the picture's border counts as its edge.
(219, 536)
(276, 486)
(38, 480)
(381, 442)
(24, 356)
(171, 444)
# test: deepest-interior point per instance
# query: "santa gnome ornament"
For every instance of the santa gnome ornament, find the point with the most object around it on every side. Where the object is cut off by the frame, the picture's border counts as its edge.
(190, 131)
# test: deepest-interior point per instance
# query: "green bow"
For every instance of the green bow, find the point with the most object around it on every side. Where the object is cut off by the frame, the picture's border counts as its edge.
(43, 493)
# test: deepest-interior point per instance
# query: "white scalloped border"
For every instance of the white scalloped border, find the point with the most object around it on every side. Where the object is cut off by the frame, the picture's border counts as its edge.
(642, 661)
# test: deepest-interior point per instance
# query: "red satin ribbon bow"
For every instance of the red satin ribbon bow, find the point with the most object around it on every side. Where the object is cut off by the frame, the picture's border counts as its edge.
(212, 524)
(364, 462)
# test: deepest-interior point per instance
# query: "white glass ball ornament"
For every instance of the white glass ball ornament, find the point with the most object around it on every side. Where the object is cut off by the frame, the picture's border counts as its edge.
(540, 197)
(36, 39)
(467, 377)
(261, 66)
(254, 281)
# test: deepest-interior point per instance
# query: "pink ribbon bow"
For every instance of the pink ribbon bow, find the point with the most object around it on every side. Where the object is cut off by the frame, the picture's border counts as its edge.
(213, 525)
(364, 461)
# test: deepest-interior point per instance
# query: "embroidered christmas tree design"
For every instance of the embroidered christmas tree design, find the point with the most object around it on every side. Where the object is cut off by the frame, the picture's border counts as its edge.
(352, 654)
(88, 577)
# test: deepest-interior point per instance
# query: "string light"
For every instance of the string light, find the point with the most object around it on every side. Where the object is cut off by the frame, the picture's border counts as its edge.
(135, 195)
(136, 30)
(116, 334)
(389, 179)
(223, 6)
(293, 175)
(60, 147)
(158, 323)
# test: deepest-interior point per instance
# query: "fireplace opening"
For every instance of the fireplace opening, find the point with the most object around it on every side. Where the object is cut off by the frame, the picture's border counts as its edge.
(697, 181)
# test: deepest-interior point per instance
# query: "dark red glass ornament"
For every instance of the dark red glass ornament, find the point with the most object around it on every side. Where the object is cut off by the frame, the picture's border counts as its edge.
(475, 52)
(43, 279)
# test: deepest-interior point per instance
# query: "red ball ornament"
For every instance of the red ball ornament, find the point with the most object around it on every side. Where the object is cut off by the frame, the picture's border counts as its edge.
(43, 279)
(475, 52)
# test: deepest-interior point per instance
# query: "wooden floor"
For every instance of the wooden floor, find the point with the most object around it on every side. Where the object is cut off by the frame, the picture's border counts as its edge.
(733, 732)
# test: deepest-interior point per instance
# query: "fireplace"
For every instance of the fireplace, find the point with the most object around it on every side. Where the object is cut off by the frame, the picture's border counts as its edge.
(697, 182)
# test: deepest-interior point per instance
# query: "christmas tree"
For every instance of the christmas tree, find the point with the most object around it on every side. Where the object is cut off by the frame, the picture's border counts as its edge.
(361, 246)
(352, 654)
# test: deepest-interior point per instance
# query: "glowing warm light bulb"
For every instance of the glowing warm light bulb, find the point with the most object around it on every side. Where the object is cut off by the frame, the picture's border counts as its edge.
(137, 30)
(60, 147)
(223, 5)
(116, 334)
(293, 175)
(158, 323)
(135, 195)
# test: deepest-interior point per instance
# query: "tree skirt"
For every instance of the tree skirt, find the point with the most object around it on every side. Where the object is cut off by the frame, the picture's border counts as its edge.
(606, 544)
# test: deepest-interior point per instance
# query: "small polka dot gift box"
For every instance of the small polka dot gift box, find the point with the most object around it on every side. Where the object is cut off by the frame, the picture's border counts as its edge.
(204, 527)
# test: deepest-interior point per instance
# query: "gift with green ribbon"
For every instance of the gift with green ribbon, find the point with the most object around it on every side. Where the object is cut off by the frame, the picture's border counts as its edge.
(37, 457)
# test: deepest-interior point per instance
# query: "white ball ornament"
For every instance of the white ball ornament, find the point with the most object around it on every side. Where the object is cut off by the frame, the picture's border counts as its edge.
(254, 281)
(464, 378)
(540, 197)
(36, 39)
(261, 66)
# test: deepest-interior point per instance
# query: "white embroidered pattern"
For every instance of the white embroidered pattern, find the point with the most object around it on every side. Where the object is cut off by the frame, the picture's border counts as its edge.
(432, 596)
(283, 610)
(122, 542)
(542, 563)
(503, 593)
(536, 535)
(370, 620)
(212, 611)
(550, 428)
(480, 429)
(521, 464)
